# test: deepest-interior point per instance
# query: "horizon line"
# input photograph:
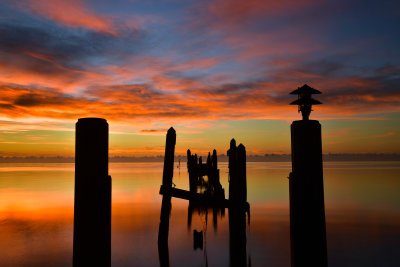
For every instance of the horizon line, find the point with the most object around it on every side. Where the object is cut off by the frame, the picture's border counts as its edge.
(273, 157)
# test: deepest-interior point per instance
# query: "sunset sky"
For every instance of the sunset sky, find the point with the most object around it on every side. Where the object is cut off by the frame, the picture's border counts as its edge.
(211, 69)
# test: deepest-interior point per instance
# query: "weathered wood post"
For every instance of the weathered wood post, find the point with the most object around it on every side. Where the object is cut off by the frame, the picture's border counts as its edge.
(307, 210)
(214, 159)
(92, 210)
(192, 169)
(232, 165)
(168, 174)
(242, 182)
(237, 173)
(237, 204)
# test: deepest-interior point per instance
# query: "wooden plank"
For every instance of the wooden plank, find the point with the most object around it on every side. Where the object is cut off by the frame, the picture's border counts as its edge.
(184, 194)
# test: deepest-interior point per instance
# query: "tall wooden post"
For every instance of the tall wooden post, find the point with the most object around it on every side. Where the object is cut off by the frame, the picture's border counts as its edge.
(232, 165)
(237, 205)
(92, 210)
(192, 169)
(307, 211)
(168, 171)
(242, 183)
(168, 174)
(237, 174)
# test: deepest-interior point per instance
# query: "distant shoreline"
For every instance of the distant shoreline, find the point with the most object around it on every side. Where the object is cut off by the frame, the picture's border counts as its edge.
(221, 158)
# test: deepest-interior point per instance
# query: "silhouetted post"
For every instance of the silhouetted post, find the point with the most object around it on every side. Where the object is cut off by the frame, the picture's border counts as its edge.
(214, 159)
(168, 173)
(237, 205)
(237, 174)
(92, 210)
(307, 212)
(232, 156)
(192, 169)
(242, 182)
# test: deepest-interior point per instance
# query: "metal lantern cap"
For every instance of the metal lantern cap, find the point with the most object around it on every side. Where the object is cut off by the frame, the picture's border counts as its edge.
(305, 101)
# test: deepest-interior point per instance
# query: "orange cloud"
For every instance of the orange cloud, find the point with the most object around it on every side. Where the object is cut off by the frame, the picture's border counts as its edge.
(247, 100)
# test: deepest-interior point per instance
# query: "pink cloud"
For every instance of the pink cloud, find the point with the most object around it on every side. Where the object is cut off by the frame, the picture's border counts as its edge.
(388, 134)
(338, 133)
(72, 13)
(240, 11)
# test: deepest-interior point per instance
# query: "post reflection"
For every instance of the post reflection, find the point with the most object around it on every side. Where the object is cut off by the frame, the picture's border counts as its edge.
(237, 238)
(237, 232)
(163, 231)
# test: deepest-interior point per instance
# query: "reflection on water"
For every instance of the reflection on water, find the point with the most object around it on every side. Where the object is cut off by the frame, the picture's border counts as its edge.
(36, 216)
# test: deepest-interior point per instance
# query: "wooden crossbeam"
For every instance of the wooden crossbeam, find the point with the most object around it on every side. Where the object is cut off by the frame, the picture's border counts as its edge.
(188, 195)
(200, 198)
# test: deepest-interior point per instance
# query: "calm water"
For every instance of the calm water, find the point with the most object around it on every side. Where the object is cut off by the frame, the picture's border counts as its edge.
(362, 212)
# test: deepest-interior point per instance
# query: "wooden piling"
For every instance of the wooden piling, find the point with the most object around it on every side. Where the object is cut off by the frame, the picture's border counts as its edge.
(242, 182)
(168, 171)
(214, 159)
(232, 156)
(238, 204)
(92, 209)
(307, 211)
(168, 174)
(237, 173)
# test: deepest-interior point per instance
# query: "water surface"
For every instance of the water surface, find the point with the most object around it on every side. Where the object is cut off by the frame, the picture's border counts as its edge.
(362, 211)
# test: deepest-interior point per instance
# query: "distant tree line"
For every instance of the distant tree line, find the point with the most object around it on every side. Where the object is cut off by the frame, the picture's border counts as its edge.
(221, 158)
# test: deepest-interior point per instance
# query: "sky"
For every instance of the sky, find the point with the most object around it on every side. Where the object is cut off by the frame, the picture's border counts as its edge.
(214, 70)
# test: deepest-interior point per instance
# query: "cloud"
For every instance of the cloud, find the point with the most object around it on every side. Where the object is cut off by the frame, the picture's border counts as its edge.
(63, 46)
(35, 99)
(355, 90)
(72, 13)
(259, 99)
(153, 131)
(338, 133)
(33, 51)
(388, 134)
(250, 31)
(20, 125)
(22, 101)
(234, 14)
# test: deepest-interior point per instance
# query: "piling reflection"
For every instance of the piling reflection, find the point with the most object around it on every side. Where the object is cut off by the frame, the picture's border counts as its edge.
(237, 237)
(202, 209)
(239, 218)
(163, 231)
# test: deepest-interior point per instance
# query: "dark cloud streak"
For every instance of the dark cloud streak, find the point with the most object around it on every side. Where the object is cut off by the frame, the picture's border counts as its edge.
(38, 46)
